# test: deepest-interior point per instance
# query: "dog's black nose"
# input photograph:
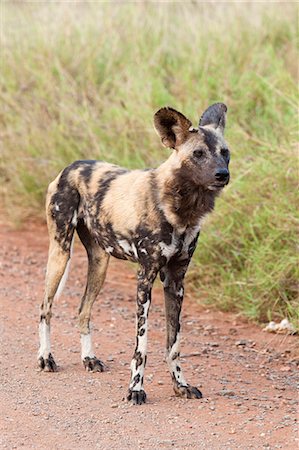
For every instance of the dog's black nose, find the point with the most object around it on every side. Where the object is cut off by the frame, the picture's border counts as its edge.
(222, 175)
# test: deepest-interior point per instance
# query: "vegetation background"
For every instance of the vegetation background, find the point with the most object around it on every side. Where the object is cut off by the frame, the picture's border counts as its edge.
(83, 80)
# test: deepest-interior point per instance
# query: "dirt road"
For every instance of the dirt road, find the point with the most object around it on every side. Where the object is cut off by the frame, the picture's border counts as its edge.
(248, 377)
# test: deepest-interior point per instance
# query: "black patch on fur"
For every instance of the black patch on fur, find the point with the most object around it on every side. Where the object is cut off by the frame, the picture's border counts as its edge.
(214, 115)
(138, 358)
(140, 310)
(93, 364)
(162, 276)
(48, 363)
(87, 170)
(141, 322)
(166, 232)
(66, 199)
(104, 185)
(210, 140)
(190, 201)
(137, 397)
(136, 380)
(175, 356)
(143, 294)
(177, 268)
(85, 237)
(192, 246)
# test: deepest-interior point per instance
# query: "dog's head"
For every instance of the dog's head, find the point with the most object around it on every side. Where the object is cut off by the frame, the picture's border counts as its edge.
(201, 154)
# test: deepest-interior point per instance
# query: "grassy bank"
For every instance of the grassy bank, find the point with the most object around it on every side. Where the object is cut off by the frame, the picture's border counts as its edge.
(83, 81)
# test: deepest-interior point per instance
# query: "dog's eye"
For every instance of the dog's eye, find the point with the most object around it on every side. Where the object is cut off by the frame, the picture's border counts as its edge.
(198, 153)
(224, 152)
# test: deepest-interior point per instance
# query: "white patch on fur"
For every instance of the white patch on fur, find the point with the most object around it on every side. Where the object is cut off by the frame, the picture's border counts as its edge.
(134, 251)
(190, 236)
(56, 207)
(180, 292)
(86, 346)
(66, 273)
(169, 250)
(44, 340)
(175, 348)
(75, 218)
(128, 248)
(143, 251)
(174, 363)
(109, 249)
(142, 342)
(125, 246)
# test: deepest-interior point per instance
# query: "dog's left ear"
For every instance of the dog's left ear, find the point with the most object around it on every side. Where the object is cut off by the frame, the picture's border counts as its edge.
(172, 127)
(215, 116)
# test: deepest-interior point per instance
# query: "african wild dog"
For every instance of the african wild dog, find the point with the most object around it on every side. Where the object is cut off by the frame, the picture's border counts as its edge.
(148, 216)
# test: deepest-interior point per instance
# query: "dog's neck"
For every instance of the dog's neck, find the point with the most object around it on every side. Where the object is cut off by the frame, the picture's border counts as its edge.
(183, 202)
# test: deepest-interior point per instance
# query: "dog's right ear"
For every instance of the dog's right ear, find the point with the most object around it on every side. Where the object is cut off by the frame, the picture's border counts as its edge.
(172, 126)
(214, 116)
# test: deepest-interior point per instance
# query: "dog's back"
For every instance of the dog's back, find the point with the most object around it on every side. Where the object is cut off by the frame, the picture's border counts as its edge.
(114, 204)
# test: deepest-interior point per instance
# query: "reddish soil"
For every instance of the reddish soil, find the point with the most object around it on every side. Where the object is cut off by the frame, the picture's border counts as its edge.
(248, 377)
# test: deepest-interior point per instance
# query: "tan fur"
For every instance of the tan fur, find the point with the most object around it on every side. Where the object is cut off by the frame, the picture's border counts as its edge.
(125, 200)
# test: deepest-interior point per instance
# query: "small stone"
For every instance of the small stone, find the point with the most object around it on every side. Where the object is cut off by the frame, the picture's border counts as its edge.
(226, 393)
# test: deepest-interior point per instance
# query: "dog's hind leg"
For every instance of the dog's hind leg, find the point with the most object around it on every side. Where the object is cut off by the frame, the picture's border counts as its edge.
(62, 210)
(56, 269)
(97, 267)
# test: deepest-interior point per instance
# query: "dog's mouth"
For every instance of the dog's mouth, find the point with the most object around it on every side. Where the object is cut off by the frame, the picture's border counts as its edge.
(217, 186)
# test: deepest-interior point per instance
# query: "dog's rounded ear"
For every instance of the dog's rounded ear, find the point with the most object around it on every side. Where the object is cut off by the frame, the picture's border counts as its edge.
(215, 116)
(171, 126)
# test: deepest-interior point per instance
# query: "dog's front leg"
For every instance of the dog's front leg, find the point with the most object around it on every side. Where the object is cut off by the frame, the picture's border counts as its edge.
(172, 277)
(144, 288)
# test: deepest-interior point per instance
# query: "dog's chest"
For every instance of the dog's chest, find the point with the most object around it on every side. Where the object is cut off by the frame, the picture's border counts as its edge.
(146, 245)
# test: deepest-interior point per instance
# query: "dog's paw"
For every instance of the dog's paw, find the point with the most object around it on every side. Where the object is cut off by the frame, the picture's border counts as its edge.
(136, 397)
(93, 364)
(186, 391)
(47, 364)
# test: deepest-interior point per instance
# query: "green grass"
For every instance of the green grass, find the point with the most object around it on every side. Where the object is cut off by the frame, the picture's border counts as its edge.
(83, 81)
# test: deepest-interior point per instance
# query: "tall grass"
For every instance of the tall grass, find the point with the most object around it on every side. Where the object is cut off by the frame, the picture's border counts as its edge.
(83, 81)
